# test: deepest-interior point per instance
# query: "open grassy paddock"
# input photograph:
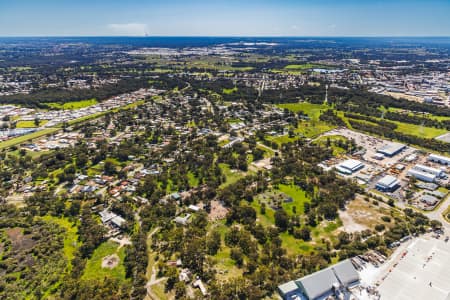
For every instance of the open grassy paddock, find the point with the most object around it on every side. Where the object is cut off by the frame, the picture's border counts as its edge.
(30, 124)
(73, 104)
(94, 268)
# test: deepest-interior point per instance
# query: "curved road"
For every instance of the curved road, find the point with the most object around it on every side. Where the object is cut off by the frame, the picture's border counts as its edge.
(437, 213)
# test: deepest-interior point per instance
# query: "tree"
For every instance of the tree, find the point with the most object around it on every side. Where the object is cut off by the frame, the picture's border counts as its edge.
(237, 255)
(213, 242)
(303, 233)
(281, 219)
(109, 168)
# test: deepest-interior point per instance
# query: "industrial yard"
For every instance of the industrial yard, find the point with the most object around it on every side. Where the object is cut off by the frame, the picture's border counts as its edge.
(409, 176)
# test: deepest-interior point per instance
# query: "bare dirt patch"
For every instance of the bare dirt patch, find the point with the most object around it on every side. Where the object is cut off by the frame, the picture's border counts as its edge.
(19, 241)
(218, 211)
(361, 215)
(110, 261)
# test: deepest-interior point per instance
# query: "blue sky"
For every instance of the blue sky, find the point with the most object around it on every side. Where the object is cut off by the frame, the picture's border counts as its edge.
(225, 18)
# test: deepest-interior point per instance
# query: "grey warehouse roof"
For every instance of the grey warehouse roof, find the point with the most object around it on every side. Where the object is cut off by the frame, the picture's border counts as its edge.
(346, 272)
(388, 181)
(288, 287)
(391, 148)
(318, 283)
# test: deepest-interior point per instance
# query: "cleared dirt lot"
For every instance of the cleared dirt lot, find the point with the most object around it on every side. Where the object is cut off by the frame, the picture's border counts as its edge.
(361, 215)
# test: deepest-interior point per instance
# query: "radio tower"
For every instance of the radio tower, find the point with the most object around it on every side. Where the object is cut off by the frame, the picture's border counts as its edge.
(326, 94)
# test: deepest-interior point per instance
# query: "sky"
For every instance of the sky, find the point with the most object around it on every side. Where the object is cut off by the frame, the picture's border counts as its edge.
(225, 18)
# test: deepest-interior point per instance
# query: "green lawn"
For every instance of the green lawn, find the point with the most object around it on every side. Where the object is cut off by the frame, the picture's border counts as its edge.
(193, 181)
(282, 139)
(298, 196)
(73, 104)
(29, 124)
(231, 175)
(312, 110)
(229, 91)
(27, 137)
(421, 131)
(306, 66)
(312, 129)
(94, 268)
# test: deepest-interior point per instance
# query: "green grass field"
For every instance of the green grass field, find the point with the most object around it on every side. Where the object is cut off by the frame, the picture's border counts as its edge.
(29, 124)
(298, 196)
(73, 104)
(229, 91)
(421, 131)
(282, 139)
(193, 181)
(312, 110)
(314, 127)
(306, 66)
(94, 268)
(231, 175)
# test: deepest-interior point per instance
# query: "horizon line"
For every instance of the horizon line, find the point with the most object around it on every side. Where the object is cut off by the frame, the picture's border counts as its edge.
(227, 36)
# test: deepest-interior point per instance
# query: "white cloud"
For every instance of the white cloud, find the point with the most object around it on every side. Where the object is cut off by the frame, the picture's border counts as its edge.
(128, 28)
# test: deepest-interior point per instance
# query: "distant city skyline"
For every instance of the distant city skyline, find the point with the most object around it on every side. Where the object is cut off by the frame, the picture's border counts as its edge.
(225, 18)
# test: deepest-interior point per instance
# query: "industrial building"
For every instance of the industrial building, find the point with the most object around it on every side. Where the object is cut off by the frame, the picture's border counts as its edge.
(439, 159)
(427, 177)
(429, 200)
(392, 149)
(388, 184)
(322, 284)
(438, 172)
(349, 166)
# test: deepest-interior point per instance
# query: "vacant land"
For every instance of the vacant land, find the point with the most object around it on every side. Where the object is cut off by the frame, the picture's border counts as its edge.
(361, 214)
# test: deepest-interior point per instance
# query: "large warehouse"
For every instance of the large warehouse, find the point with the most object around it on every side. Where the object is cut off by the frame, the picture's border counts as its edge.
(349, 166)
(439, 159)
(392, 149)
(388, 184)
(423, 176)
(321, 284)
(426, 169)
